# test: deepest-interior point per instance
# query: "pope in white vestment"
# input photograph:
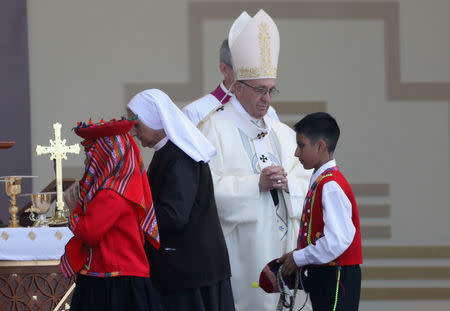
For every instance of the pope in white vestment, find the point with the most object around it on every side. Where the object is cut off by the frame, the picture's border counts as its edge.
(200, 108)
(259, 222)
(256, 231)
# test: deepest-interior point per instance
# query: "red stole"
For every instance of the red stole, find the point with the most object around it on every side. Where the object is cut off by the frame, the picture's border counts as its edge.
(219, 93)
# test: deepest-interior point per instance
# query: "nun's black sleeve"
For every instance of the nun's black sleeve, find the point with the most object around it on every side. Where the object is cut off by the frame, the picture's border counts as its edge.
(174, 180)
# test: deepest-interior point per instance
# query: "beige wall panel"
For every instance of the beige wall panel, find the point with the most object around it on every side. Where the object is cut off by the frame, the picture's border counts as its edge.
(425, 40)
(82, 53)
(214, 32)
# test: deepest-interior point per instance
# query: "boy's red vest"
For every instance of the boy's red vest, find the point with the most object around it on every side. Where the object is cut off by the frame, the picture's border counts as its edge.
(353, 254)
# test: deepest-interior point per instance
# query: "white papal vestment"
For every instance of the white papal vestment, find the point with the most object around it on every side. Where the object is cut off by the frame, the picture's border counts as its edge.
(256, 231)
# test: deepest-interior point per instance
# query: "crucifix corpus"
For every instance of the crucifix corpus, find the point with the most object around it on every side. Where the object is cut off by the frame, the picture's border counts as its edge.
(58, 151)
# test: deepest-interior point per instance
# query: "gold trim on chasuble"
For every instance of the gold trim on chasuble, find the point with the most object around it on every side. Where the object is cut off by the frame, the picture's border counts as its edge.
(266, 69)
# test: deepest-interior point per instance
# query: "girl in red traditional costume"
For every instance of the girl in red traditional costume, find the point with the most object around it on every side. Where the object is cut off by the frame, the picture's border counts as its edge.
(329, 241)
(113, 215)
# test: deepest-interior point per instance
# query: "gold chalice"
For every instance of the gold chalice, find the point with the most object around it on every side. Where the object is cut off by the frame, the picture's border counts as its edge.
(40, 206)
(13, 188)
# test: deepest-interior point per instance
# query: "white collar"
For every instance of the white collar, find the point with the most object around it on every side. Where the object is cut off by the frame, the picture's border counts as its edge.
(237, 104)
(161, 143)
(222, 86)
(329, 164)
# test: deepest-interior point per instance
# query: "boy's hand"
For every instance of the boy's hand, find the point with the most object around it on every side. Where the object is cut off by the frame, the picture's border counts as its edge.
(289, 265)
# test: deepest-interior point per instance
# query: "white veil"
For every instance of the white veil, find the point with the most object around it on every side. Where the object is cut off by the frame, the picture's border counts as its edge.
(157, 111)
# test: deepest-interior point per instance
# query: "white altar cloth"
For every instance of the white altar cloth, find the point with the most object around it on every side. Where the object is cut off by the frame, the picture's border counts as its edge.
(42, 243)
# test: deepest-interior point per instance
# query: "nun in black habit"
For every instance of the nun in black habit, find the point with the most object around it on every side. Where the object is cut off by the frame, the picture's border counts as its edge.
(191, 268)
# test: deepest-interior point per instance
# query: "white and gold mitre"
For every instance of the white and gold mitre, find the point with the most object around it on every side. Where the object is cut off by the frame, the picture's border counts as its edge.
(254, 45)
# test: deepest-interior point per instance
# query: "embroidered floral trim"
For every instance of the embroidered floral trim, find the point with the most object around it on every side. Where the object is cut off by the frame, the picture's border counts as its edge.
(266, 69)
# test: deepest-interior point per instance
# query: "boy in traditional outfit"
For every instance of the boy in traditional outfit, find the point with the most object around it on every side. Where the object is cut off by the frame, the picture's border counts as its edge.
(329, 240)
(111, 215)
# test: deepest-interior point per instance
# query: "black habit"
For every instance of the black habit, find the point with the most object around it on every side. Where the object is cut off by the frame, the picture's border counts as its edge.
(191, 268)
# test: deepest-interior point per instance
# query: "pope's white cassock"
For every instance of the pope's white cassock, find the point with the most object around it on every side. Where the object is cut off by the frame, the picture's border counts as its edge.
(256, 231)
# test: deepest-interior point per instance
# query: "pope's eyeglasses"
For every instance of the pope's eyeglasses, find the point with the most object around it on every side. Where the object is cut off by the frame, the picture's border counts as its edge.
(262, 91)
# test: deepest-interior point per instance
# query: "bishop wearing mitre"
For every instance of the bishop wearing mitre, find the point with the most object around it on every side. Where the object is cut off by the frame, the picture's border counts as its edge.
(259, 185)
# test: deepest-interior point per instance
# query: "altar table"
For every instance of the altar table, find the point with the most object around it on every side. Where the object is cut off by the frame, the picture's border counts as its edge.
(29, 269)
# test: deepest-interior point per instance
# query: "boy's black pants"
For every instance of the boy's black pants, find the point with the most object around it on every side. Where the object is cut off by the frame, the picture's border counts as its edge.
(321, 285)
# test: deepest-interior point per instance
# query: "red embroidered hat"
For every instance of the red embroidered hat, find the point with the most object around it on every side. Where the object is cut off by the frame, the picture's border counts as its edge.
(104, 128)
(268, 278)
